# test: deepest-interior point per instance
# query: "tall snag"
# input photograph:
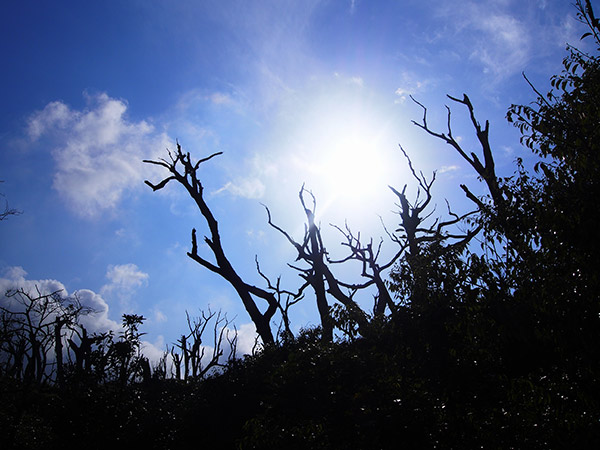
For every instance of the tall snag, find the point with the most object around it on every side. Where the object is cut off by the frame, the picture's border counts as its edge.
(184, 171)
(318, 275)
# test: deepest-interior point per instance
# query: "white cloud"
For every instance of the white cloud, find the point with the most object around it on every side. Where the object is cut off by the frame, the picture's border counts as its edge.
(508, 45)
(445, 169)
(98, 152)
(219, 98)
(490, 33)
(154, 351)
(352, 6)
(98, 321)
(159, 316)
(259, 169)
(55, 114)
(126, 276)
(410, 84)
(16, 273)
(15, 278)
(246, 339)
(256, 235)
(355, 80)
(507, 150)
(124, 280)
(505, 48)
(250, 187)
(194, 99)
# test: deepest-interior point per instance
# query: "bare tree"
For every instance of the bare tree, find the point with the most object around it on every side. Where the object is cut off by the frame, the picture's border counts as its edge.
(285, 331)
(485, 170)
(184, 171)
(373, 271)
(199, 359)
(31, 340)
(7, 210)
(317, 274)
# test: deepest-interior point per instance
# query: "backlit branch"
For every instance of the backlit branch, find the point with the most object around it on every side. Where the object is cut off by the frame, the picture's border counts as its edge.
(184, 171)
(318, 274)
(486, 170)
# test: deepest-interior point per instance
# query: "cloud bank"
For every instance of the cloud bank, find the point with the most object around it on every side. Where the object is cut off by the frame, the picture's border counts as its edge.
(96, 322)
(97, 151)
(126, 276)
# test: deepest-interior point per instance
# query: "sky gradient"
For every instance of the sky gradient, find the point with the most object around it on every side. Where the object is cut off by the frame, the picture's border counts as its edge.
(292, 92)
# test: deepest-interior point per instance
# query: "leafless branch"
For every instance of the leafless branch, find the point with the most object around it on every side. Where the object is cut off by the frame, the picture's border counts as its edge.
(188, 178)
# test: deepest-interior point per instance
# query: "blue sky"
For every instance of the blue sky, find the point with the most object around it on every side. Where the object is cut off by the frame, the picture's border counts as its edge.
(291, 91)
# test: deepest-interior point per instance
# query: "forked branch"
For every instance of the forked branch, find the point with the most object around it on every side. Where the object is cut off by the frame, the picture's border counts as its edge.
(184, 171)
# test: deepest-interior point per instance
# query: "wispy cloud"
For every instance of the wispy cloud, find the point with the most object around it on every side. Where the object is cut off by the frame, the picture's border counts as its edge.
(259, 170)
(505, 36)
(220, 98)
(505, 48)
(446, 169)
(491, 34)
(123, 281)
(195, 99)
(244, 187)
(409, 84)
(353, 80)
(158, 316)
(98, 151)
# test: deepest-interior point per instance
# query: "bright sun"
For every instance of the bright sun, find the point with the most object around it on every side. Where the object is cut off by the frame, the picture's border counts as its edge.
(350, 162)
(349, 152)
(343, 145)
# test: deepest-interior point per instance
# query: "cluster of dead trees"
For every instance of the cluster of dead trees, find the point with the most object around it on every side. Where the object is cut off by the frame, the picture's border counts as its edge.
(337, 300)
(43, 341)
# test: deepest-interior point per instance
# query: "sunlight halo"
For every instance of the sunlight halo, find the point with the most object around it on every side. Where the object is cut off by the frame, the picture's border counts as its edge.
(348, 151)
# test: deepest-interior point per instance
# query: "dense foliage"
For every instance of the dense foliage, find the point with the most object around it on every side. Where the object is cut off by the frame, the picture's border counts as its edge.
(493, 346)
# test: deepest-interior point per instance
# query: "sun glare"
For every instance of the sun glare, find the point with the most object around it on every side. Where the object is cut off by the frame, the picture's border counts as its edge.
(351, 165)
(341, 143)
(350, 154)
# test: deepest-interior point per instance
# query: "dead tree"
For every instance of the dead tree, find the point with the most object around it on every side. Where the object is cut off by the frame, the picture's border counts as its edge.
(184, 171)
(412, 236)
(501, 201)
(416, 238)
(82, 351)
(485, 170)
(32, 333)
(291, 298)
(367, 255)
(318, 275)
(7, 211)
(197, 359)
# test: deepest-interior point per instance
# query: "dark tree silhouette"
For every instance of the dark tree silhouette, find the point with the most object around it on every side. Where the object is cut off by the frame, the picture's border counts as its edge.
(318, 274)
(31, 338)
(193, 351)
(187, 177)
(7, 210)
